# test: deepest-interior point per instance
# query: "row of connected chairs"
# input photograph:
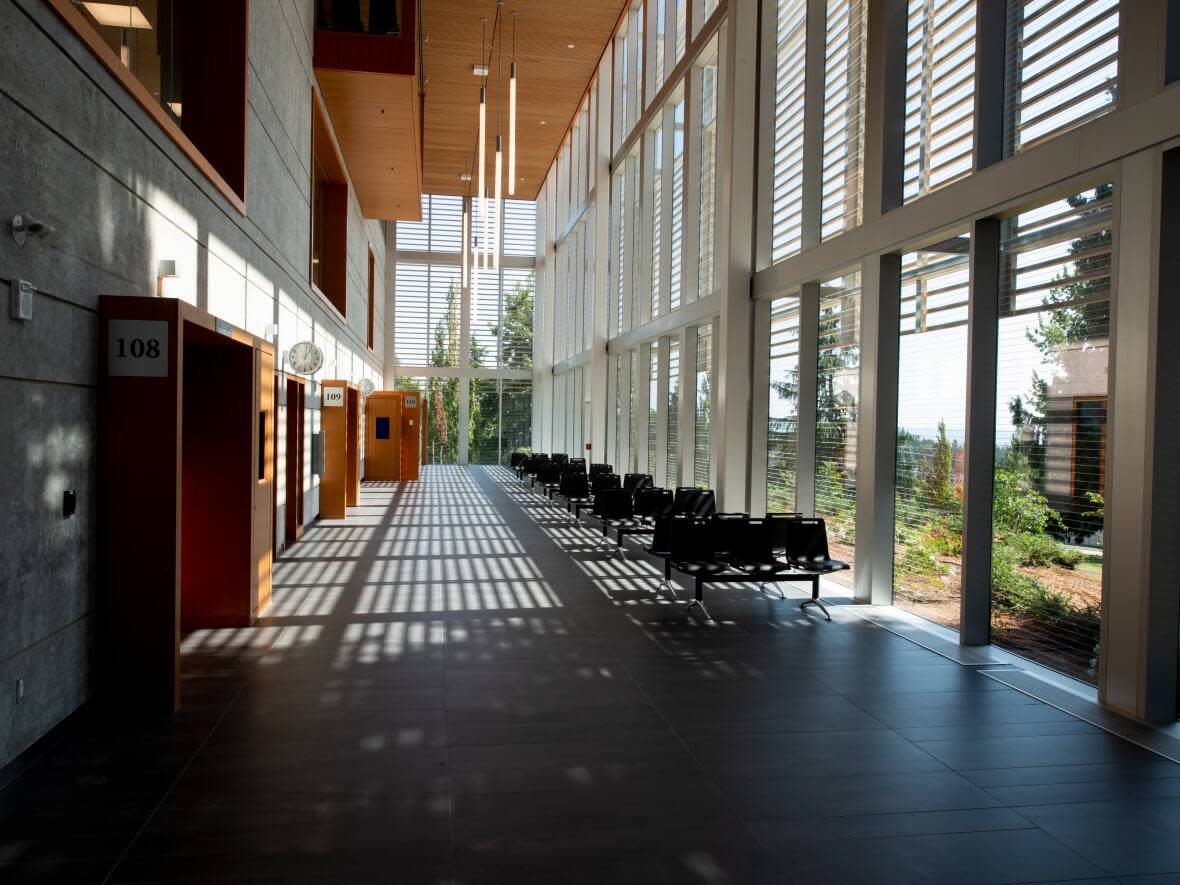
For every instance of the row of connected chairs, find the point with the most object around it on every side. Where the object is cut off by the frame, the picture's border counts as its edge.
(733, 547)
(687, 532)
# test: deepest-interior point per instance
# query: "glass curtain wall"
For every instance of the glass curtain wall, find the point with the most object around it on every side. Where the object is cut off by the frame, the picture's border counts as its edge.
(672, 415)
(703, 407)
(931, 427)
(782, 430)
(837, 404)
(1054, 343)
(790, 72)
(653, 404)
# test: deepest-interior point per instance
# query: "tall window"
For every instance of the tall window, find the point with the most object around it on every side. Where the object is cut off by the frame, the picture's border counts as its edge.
(188, 61)
(702, 407)
(676, 246)
(931, 422)
(426, 314)
(656, 163)
(789, 82)
(940, 94)
(484, 421)
(653, 405)
(844, 82)
(707, 92)
(1063, 66)
(516, 416)
(671, 417)
(1051, 383)
(782, 431)
(837, 406)
(329, 215)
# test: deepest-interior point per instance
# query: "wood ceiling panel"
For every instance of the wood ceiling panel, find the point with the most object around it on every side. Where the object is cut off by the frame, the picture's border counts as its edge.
(551, 81)
(376, 121)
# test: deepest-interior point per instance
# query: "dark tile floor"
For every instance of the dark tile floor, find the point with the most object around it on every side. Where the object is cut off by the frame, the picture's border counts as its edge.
(453, 687)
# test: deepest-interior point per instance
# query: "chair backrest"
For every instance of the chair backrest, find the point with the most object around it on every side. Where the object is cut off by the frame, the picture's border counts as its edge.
(534, 462)
(515, 459)
(596, 469)
(727, 528)
(550, 472)
(574, 485)
(633, 482)
(755, 543)
(705, 504)
(560, 458)
(602, 481)
(807, 540)
(692, 539)
(577, 464)
(650, 501)
(614, 504)
(779, 523)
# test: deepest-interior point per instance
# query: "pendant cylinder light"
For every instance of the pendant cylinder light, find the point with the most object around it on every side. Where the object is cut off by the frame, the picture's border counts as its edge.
(499, 207)
(483, 123)
(512, 115)
(466, 240)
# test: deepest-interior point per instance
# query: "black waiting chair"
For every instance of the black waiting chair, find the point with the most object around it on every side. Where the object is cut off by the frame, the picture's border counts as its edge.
(807, 550)
(559, 458)
(727, 533)
(596, 469)
(575, 489)
(538, 464)
(383, 17)
(753, 553)
(634, 482)
(516, 459)
(597, 484)
(576, 464)
(549, 476)
(692, 552)
(650, 502)
(613, 507)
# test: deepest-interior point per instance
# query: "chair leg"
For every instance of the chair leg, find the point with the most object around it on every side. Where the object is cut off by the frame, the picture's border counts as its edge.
(815, 600)
(620, 553)
(699, 601)
(777, 588)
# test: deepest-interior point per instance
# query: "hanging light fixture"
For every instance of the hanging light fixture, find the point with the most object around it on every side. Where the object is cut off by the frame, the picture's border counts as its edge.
(466, 226)
(483, 122)
(498, 206)
(512, 115)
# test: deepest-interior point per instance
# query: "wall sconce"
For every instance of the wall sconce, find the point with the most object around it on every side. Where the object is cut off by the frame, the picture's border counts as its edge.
(165, 270)
(24, 227)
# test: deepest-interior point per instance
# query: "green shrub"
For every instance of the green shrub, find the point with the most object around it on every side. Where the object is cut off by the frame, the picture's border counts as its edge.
(1042, 550)
(920, 561)
(1021, 593)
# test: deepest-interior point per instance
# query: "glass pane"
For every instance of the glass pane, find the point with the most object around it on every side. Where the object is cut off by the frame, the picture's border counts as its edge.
(702, 407)
(441, 415)
(844, 81)
(653, 400)
(483, 446)
(783, 423)
(708, 172)
(672, 417)
(931, 422)
(1051, 384)
(789, 82)
(837, 379)
(516, 417)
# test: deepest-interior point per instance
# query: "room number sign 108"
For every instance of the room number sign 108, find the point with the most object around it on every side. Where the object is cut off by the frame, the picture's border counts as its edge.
(137, 348)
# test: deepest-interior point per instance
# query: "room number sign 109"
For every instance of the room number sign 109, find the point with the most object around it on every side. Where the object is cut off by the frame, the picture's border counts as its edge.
(137, 348)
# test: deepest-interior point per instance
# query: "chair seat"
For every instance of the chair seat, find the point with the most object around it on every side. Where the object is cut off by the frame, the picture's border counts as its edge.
(762, 569)
(654, 552)
(820, 565)
(699, 568)
(633, 526)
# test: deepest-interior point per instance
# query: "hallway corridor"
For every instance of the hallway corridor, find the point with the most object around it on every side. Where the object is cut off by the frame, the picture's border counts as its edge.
(453, 686)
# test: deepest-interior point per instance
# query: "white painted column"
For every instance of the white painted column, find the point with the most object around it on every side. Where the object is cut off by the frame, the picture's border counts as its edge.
(735, 212)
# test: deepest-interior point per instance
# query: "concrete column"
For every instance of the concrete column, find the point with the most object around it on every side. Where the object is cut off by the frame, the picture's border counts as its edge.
(601, 406)
(735, 212)
(1141, 578)
(884, 136)
(983, 301)
(876, 466)
(991, 56)
(686, 432)
(1143, 49)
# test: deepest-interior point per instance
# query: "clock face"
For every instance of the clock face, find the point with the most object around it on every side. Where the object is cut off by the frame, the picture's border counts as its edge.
(305, 358)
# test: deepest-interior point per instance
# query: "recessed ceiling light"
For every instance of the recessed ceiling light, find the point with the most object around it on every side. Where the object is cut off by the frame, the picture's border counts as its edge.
(544, 123)
(465, 176)
(569, 45)
(479, 70)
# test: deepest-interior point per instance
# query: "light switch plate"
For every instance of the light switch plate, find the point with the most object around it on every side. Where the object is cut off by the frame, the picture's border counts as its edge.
(20, 300)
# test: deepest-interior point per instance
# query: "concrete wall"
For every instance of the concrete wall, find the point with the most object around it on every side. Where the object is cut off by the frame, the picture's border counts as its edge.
(77, 152)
